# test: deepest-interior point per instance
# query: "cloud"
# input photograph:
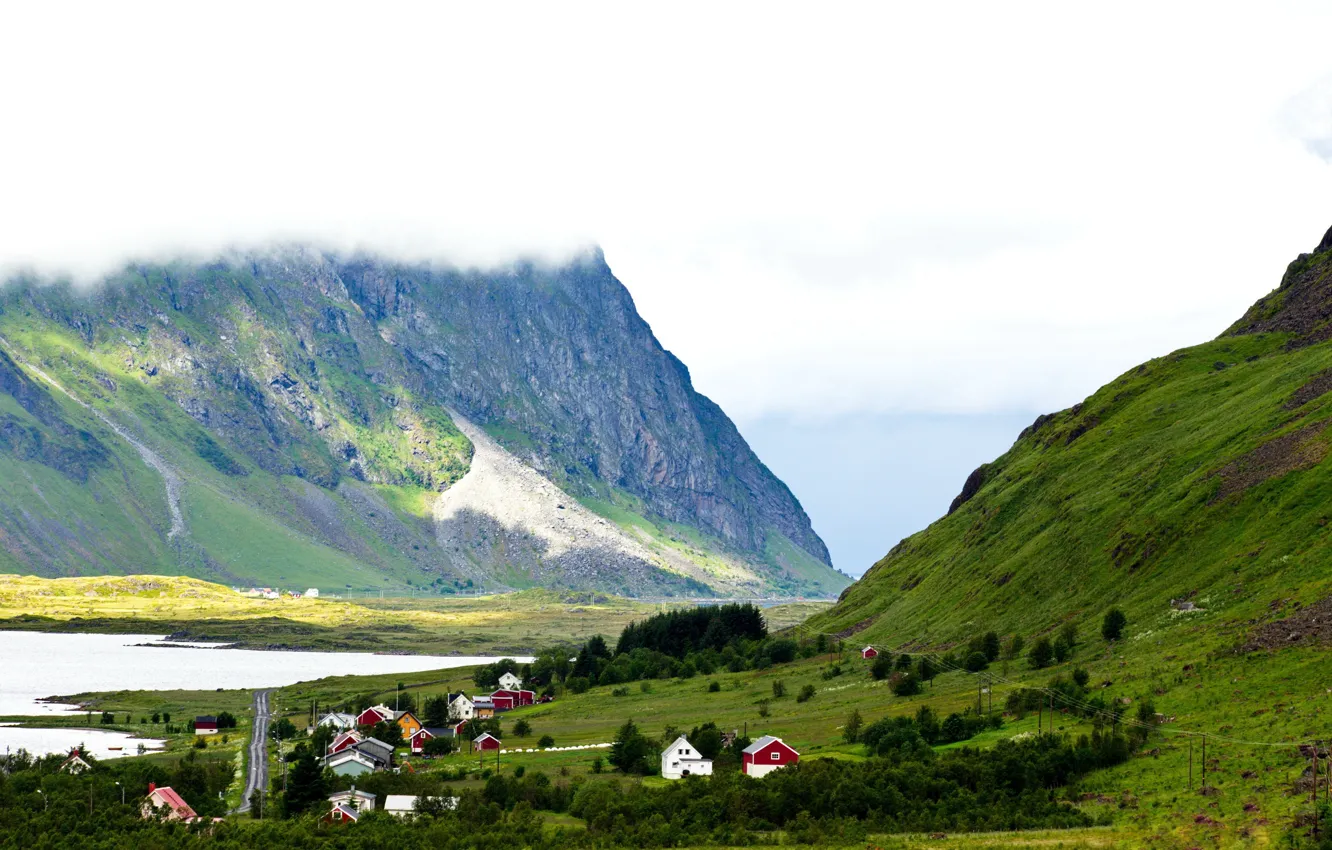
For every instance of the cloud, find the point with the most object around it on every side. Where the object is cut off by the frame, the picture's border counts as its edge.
(875, 208)
(1308, 117)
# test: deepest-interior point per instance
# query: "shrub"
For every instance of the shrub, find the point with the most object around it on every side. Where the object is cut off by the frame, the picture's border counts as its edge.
(763, 708)
(1041, 654)
(903, 663)
(1062, 649)
(522, 728)
(546, 741)
(926, 669)
(976, 662)
(645, 687)
(577, 684)
(439, 746)
(1112, 627)
(1069, 632)
(1081, 677)
(882, 667)
(1014, 647)
(806, 694)
(832, 672)
(619, 692)
(990, 646)
(904, 684)
(714, 687)
(851, 730)
(519, 771)
(778, 689)
(597, 765)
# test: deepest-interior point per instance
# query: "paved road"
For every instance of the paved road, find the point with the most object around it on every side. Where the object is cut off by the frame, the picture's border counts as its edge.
(258, 756)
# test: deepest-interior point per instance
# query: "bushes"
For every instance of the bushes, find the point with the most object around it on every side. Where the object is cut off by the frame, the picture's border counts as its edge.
(976, 662)
(546, 741)
(806, 693)
(1112, 627)
(778, 689)
(882, 667)
(1041, 654)
(904, 684)
(851, 729)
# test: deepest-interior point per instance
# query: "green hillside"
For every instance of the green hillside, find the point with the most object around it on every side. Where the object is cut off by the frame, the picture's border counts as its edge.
(1196, 476)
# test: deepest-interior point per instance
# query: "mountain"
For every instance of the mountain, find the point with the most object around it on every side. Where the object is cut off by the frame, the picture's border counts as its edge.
(1197, 476)
(298, 418)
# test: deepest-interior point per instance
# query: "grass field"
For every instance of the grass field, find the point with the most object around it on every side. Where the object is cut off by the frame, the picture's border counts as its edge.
(514, 623)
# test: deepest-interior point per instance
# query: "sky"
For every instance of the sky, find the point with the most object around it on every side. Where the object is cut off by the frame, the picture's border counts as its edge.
(883, 236)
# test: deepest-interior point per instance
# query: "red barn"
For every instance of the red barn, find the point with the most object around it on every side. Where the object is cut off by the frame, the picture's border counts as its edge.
(869, 652)
(205, 724)
(766, 755)
(506, 699)
(375, 714)
(486, 741)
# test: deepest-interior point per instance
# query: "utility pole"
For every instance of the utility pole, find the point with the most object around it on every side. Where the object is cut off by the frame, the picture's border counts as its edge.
(1204, 763)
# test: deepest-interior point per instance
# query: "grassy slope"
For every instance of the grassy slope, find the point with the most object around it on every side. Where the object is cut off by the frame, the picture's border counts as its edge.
(1127, 513)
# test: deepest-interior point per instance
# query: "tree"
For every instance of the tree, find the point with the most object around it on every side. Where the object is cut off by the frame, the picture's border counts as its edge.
(1112, 627)
(990, 646)
(1069, 632)
(806, 693)
(778, 689)
(904, 684)
(882, 667)
(976, 662)
(306, 786)
(851, 729)
(954, 728)
(630, 751)
(522, 728)
(226, 720)
(283, 729)
(440, 745)
(436, 710)
(1062, 649)
(926, 669)
(707, 739)
(1042, 653)
(1081, 677)
(1014, 647)
(546, 741)
(903, 663)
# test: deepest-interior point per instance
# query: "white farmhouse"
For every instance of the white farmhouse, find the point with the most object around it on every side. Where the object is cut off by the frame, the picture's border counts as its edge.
(460, 708)
(312, 593)
(680, 759)
(510, 682)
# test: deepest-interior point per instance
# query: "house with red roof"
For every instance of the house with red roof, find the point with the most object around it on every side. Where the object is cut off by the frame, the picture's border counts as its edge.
(376, 714)
(342, 813)
(505, 699)
(766, 755)
(168, 802)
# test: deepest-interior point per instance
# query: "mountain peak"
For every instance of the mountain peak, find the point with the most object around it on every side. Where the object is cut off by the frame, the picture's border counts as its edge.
(1300, 306)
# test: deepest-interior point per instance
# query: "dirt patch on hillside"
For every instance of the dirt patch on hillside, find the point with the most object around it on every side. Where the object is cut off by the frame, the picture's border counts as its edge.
(1301, 449)
(1318, 385)
(1312, 624)
(858, 627)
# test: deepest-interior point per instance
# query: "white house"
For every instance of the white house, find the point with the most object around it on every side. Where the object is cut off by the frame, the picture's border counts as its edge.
(312, 593)
(362, 801)
(510, 682)
(460, 708)
(680, 759)
(339, 721)
(400, 805)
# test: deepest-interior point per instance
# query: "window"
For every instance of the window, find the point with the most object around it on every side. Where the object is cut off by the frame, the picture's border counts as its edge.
(776, 755)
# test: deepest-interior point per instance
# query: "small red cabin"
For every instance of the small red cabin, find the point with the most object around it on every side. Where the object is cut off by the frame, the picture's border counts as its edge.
(205, 724)
(374, 714)
(486, 741)
(766, 755)
(345, 740)
(869, 652)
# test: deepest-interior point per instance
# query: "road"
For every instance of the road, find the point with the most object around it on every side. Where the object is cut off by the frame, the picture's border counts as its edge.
(257, 777)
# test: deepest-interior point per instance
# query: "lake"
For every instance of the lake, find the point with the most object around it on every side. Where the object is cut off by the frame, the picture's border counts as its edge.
(38, 665)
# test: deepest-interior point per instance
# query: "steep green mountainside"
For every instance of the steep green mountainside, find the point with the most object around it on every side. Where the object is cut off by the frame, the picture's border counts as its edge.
(294, 418)
(1197, 476)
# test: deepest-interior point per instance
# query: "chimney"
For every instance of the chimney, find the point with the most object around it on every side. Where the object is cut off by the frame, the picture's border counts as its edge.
(152, 786)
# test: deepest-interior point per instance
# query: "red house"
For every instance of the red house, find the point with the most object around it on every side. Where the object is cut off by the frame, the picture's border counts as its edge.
(347, 739)
(205, 724)
(766, 755)
(507, 699)
(375, 714)
(869, 652)
(486, 741)
(342, 813)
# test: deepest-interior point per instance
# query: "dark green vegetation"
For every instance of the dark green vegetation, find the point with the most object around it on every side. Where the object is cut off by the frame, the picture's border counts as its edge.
(285, 420)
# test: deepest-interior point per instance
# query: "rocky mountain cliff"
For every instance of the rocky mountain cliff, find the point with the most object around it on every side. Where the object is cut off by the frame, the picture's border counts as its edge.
(289, 417)
(1201, 475)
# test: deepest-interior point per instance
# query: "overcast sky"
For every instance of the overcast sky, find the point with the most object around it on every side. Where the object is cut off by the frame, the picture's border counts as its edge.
(878, 234)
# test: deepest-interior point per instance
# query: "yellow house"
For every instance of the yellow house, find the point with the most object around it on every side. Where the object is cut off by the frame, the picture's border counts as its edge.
(409, 725)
